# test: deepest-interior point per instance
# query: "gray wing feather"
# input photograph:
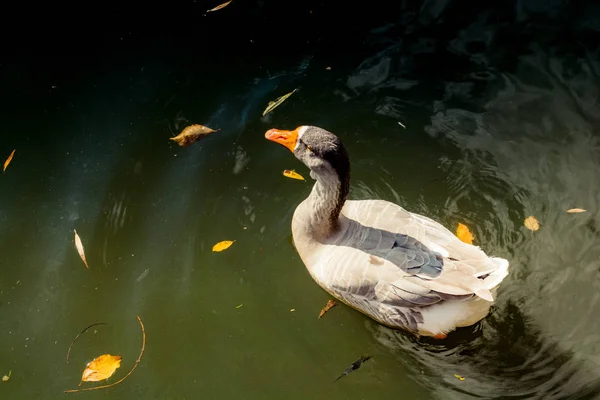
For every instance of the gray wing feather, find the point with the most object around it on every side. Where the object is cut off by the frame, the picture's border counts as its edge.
(405, 252)
(393, 258)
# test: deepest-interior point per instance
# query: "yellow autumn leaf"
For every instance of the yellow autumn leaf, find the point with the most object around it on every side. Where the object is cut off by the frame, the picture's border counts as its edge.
(114, 362)
(277, 102)
(330, 304)
(79, 247)
(191, 134)
(575, 210)
(224, 245)
(220, 6)
(531, 223)
(100, 368)
(8, 160)
(293, 174)
(464, 234)
(460, 378)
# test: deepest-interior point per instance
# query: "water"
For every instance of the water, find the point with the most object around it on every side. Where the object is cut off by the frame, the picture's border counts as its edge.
(500, 113)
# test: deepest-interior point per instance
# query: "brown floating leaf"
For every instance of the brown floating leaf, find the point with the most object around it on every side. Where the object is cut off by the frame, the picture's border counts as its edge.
(293, 174)
(460, 378)
(532, 223)
(102, 367)
(220, 6)
(575, 210)
(79, 246)
(224, 245)
(330, 304)
(464, 234)
(192, 134)
(8, 160)
(277, 102)
(129, 373)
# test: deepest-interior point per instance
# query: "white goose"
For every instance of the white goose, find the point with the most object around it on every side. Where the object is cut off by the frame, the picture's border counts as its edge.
(404, 270)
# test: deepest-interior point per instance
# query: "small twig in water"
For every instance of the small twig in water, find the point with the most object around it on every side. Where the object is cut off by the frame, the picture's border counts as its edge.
(129, 373)
(355, 365)
(81, 333)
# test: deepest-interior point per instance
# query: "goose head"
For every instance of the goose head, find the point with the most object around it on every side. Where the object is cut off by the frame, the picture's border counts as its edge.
(317, 148)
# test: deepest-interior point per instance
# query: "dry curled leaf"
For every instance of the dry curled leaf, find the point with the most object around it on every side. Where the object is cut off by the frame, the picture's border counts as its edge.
(531, 223)
(460, 378)
(277, 102)
(79, 246)
(219, 6)
(224, 245)
(8, 160)
(293, 174)
(330, 304)
(100, 368)
(575, 210)
(464, 234)
(192, 134)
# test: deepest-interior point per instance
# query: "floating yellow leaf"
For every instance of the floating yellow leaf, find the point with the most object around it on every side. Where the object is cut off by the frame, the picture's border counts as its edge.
(101, 368)
(460, 378)
(275, 103)
(8, 160)
(575, 210)
(123, 378)
(224, 245)
(240, 306)
(464, 234)
(5, 378)
(220, 6)
(293, 174)
(79, 246)
(192, 134)
(532, 223)
(330, 304)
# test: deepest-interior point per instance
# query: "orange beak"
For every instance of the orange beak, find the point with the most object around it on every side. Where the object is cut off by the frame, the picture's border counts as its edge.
(284, 138)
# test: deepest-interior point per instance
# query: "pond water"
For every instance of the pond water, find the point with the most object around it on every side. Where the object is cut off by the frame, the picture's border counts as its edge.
(480, 115)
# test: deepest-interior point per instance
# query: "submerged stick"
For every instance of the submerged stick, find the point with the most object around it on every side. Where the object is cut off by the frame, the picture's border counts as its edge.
(81, 333)
(129, 373)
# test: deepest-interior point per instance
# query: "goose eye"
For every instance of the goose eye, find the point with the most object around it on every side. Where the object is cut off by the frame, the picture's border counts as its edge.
(308, 148)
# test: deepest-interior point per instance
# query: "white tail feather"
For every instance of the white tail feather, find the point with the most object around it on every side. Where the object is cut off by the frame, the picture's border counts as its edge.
(501, 271)
(484, 294)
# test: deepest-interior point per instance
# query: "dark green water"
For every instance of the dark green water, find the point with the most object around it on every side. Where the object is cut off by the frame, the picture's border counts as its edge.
(501, 116)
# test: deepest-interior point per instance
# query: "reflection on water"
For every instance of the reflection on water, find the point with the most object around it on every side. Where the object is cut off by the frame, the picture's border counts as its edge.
(463, 114)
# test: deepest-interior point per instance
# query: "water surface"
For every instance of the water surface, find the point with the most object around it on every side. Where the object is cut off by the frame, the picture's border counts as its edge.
(476, 115)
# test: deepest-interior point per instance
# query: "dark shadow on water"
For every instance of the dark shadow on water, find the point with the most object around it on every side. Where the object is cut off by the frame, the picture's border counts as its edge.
(503, 357)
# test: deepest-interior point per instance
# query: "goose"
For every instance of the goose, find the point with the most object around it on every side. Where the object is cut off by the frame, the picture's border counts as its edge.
(404, 270)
